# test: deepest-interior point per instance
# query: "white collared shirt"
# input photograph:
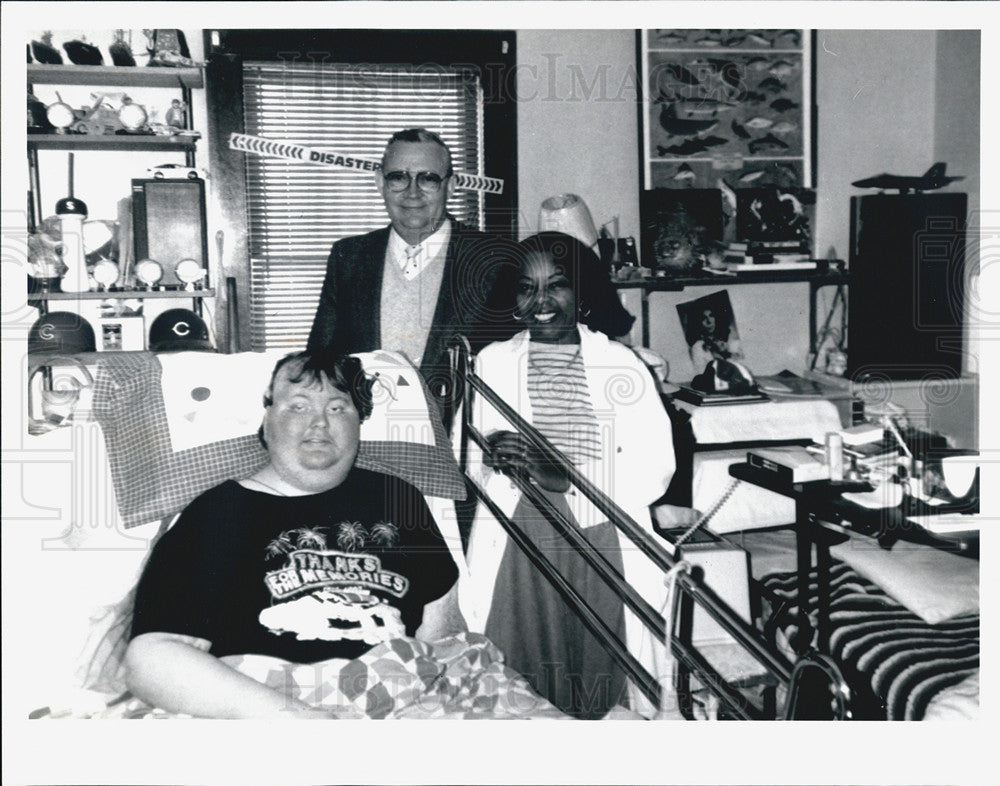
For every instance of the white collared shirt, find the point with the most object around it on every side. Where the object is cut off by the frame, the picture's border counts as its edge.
(431, 249)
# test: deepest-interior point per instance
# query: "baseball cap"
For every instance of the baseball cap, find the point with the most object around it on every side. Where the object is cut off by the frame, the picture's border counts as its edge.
(179, 330)
(61, 331)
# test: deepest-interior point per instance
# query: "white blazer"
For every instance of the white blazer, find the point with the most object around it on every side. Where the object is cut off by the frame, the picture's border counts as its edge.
(637, 465)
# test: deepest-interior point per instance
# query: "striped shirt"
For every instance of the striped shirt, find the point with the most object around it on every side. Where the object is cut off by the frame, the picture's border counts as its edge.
(560, 402)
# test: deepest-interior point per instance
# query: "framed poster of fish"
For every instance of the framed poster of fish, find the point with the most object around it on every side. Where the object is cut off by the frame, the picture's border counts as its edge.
(727, 109)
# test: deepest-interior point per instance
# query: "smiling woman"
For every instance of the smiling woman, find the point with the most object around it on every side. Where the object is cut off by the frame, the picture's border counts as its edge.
(597, 404)
(546, 300)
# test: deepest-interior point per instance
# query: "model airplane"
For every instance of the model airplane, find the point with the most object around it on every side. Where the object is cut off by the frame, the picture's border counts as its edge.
(932, 179)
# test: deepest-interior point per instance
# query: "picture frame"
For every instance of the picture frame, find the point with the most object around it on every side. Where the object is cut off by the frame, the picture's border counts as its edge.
(727, 109)
(678, 225)
(709, 327)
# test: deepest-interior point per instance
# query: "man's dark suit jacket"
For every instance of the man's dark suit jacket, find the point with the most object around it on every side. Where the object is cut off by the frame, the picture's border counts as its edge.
(348, 319)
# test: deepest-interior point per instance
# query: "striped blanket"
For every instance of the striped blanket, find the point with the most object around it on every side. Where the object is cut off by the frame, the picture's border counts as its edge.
(894, 662)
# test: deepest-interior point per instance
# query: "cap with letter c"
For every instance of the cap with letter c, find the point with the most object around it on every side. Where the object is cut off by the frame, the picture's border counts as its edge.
(61, 331)
(179, 330)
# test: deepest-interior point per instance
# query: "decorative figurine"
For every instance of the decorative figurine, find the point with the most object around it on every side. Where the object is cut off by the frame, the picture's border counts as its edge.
(121, 50)
(37, 115)
(44, 252)
(82, 53)
(836, 363)
(44, 52)
(177, 114)
(106, 274)
(148, 272)
(168, 48)
(71, 214)
(60, 115)
(191, 273)
(133, 116)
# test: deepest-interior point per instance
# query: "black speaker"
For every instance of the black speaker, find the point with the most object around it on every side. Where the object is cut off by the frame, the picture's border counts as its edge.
(168, 224)
(907, 292)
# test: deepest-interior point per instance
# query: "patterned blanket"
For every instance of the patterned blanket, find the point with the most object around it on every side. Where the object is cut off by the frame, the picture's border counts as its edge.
(459, 677)
(895, 663)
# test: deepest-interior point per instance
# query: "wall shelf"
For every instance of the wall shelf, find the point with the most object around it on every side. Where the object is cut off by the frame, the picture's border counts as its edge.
(120, 76)
(183, 79)
(817, 278)
(122, 294)
(182, 144)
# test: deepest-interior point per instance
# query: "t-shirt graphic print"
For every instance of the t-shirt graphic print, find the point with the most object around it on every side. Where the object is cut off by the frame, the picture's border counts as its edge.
(304, 579)
(326, 594)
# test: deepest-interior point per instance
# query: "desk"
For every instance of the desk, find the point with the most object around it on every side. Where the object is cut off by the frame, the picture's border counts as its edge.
(821, 516)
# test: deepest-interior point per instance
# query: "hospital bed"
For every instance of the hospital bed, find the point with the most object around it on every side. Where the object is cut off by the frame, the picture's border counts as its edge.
(153, 431)
(910, 648)
(148, 435)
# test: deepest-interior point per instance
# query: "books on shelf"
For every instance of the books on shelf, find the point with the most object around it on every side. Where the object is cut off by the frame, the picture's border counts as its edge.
(702, 399)
(883, 451)
(776, 262)
(863, 434)
(761, 257)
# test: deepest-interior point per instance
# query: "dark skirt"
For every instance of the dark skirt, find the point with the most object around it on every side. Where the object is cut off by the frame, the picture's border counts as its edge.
(541, 636)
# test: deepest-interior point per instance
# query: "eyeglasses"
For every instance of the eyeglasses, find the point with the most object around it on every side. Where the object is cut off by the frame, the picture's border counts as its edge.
(428, 182)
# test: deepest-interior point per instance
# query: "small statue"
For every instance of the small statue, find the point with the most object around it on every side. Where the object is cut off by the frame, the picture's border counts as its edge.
(44, 52)
(168, 48)
(83, 53)
(177, 114)
(679, 246)
(121, 50)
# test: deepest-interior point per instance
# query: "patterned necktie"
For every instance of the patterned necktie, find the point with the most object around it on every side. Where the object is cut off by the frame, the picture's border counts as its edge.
(413, 254)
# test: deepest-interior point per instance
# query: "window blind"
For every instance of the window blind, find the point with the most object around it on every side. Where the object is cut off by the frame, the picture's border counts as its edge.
(296, 209)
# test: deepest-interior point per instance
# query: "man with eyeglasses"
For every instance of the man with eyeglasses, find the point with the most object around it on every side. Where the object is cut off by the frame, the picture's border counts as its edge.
(414, 284)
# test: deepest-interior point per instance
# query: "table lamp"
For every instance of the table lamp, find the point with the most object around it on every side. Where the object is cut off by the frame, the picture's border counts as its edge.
(567, 213)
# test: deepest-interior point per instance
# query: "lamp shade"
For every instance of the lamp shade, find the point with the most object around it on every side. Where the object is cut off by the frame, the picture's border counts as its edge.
(567, 213)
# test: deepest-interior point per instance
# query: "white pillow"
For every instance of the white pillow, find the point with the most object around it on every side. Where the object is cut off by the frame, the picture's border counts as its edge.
(933, 584)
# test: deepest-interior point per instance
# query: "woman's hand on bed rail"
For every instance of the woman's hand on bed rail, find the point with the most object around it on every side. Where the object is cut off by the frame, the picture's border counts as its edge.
(510, 450)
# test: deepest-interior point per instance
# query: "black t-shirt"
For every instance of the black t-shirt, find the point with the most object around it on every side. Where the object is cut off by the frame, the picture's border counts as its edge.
(306, 578)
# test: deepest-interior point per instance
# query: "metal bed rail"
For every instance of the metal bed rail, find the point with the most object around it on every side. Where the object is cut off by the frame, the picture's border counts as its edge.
(691, 590)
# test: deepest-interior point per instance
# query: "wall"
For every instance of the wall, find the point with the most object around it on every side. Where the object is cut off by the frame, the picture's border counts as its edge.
(957, 141)
(577, 123)
(957, 109)
(876, 95)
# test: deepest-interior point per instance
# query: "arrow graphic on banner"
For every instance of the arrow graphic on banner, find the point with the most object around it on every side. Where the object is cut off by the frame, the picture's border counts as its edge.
(274, 148)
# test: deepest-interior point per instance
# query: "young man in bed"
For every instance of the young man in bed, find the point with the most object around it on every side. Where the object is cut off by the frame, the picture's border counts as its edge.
(311, 558)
